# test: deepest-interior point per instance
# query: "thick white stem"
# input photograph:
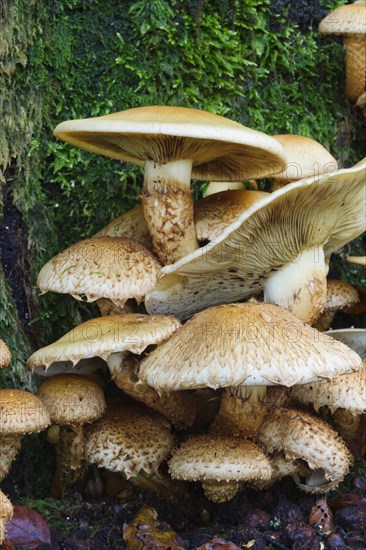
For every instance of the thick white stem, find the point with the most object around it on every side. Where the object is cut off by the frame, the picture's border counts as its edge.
(301, 286)
(168, 209)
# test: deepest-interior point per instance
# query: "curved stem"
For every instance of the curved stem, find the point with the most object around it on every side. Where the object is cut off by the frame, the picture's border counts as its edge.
(70, 459)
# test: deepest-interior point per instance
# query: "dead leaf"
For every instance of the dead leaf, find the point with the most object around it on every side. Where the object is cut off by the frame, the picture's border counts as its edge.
(221, 544)
(321, 517)
(346, 500)
(6, 545)
(27, 528)
(147, 532)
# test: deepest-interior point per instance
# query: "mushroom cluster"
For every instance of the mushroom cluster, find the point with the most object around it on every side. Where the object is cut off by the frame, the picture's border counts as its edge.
(230, 286)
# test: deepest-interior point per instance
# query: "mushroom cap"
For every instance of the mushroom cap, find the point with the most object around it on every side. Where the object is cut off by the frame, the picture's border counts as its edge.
(354, 338)
(219, 148)
(360, 260)
(346, 392)
(219, 186)
(5, 355)
(340, 294)
(325, 211)
(216, 458)
(346, 20)
(301, 435)
(305, 158)
(128, 441)
(21, 412)
(6, 513)
(130, 224)
(117, 268)
(102, 336)
(245, 344)
(71, 399)
(215, 212)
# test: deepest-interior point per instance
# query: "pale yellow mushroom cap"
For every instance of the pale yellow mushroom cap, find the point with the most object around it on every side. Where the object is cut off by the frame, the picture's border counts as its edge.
(105, 267)
(131, 224)
(311, 215)
(129, 441)
(301, 435)
(71, 399)
(354, 338)
(347, 392)
(346, 20)
(217, 458)
(360, 260)
(251, 344)
(5, 355)
(219, 148)
(21, 412)
(102, 336)
(305, 158)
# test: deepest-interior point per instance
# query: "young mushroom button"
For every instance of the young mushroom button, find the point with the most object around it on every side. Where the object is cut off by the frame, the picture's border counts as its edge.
(174, 144)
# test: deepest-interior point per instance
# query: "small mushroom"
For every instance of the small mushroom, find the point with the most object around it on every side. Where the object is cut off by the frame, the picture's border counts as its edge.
(349, 22)
(5, 355)
(300, 435)
(221, 464)
(72, 401)
(6, 513)
(279, 245)
(339, 295)
(174, 144)
(116, 268)
(305, 158)
(21, 413)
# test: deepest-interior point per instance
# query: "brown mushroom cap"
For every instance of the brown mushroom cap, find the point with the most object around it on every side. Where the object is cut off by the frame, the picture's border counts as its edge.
(130, 224)
(105, 267)
(269, 243)
(339, 295)
(347, 20)
(251, 344)
(72, 399)
(305, 158)
(21, 412)
(128, 441)
(346, 392)
(103, 336)
(218, 146)
(303, 436)
(5, 355)
(215, 212)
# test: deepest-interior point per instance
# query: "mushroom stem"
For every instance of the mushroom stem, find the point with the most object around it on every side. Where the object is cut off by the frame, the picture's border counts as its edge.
(9, 446)
(168, 209)
(173, 490)
(301, 286)
(355, 61)
(181, 408)
(70, 459)
(242, 410)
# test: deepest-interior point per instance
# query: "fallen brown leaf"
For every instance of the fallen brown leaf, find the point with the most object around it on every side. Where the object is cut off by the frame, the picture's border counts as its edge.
(27, 528)
(321, 517)
(221, 544)
(147, 532)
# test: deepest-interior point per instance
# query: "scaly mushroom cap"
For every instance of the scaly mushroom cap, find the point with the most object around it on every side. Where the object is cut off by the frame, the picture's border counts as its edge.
(105, 267)
(218, 147)
(21, 412)
(303, 436)
(346, 20)
(5, 355)
(215, 212)
(128, 441)
(251, 344)
(305, 158)
(346, 392)
(275, 233)
(6, 513)
(72, 399)
(339, 295)
(102, 336)
(217, 462)
(131, 224)
(354, 338)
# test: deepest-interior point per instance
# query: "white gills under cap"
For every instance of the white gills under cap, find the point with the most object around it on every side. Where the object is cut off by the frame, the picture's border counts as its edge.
(277, 245)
